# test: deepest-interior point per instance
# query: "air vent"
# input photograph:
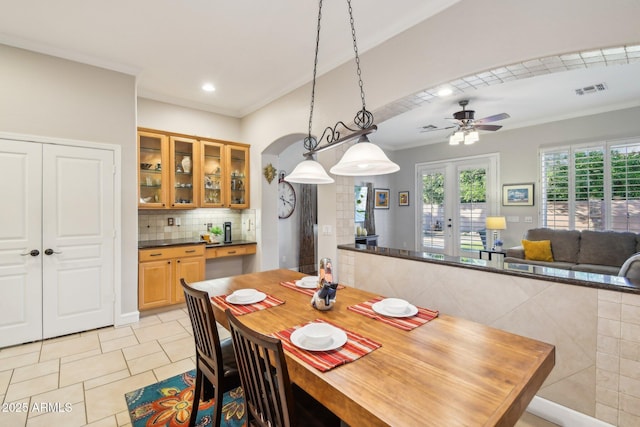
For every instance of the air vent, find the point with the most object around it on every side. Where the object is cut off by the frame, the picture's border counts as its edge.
(591, 89)
(429, 127)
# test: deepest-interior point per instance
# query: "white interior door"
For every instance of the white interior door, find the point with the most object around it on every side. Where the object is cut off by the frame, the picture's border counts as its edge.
(20, 242)
(78, 239)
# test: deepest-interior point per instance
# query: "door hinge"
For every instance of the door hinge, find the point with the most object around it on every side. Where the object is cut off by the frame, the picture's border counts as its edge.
(114, 169)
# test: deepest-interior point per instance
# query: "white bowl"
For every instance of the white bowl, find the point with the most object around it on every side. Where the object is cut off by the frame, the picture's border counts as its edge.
(318, 334)
(244, 294)
(396, 305)
(309, 279)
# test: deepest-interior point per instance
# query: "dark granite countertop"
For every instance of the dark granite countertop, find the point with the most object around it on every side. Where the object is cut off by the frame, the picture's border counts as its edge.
(147, 244)
(579, 278)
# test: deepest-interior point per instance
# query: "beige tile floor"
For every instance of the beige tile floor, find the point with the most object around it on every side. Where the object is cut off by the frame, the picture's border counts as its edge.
(81, 379)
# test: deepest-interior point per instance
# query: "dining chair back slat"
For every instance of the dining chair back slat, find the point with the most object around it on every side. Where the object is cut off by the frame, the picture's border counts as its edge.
(264, 376)
(216, 369)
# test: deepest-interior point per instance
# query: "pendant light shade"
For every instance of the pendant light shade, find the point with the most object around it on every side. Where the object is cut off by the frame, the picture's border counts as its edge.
(309, 172)
(364, 159)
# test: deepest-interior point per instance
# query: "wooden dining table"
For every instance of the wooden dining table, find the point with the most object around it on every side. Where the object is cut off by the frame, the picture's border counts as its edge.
(447, 372)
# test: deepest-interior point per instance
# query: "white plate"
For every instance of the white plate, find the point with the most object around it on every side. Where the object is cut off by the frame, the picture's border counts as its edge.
(378, 307)
(258, 297)
(306, 283)
(338, 339)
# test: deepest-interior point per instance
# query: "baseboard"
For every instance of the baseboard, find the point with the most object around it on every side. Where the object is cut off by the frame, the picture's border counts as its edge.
(126, 318)
(562, 415)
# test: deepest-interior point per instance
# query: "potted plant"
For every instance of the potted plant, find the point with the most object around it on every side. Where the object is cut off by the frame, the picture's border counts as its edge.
(216, 232)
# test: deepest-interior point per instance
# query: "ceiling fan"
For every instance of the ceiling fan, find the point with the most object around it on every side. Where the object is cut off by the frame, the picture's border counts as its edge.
(466, 122)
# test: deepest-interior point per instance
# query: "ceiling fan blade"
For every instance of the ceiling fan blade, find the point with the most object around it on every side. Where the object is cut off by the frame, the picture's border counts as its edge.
(487, 127)
(432, 129)
(493, 118)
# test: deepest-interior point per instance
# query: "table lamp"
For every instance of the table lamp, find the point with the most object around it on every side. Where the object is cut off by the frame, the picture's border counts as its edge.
(495, 223)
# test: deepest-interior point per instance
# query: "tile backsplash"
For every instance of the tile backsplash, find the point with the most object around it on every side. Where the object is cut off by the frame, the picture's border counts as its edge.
(153, 225)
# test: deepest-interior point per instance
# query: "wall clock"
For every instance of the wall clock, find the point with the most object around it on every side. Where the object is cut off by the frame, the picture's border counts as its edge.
(286, 199)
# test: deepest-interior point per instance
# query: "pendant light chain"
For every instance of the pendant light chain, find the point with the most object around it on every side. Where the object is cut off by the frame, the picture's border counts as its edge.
(364, 118)
(310, 142)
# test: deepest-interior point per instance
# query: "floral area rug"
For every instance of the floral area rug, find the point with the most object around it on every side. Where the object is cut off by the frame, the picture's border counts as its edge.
(169, 402)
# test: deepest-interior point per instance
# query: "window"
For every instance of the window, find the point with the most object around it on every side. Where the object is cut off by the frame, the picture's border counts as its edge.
(595, 187)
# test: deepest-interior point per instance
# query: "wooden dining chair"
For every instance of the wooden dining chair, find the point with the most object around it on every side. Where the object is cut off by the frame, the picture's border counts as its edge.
(216, 368)
(271, 399)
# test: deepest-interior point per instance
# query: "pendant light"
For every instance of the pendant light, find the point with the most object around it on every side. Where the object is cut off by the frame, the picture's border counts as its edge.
(363, 158)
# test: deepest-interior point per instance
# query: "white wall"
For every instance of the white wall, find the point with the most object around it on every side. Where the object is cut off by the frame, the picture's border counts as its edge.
(51, 97)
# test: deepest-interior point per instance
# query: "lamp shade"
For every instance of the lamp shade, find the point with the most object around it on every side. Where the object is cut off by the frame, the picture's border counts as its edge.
(364, 159)
(496, 223)
(309, 172)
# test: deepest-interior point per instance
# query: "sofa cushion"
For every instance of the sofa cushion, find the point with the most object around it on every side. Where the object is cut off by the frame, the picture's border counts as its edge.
(539, 250)
(606, 247)
(565, 244)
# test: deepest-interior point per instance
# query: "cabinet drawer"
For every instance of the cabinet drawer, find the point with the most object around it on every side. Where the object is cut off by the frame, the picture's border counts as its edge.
(236, 250)
(170, 252)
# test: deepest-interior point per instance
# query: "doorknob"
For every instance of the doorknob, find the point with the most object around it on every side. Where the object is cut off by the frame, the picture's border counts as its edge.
(51, 252)
(34, 252)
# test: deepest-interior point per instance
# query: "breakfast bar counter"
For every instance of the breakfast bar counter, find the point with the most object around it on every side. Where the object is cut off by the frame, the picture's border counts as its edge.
(446, 371)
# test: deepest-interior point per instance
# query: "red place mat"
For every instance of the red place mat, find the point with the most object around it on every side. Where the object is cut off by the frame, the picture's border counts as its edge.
(306, 291)
(355, 347)
(407, 323)
(239, 310)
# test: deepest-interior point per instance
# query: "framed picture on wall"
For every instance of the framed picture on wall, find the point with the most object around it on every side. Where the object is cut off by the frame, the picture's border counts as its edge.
(517, 194)
(381, 198)
(403, 198)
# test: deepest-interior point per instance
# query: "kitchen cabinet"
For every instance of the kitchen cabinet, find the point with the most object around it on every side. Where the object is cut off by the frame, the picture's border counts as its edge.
(186, 172)
(184, 187)
(153, 176)
(237, 176)
(234, 250)
(160, 270)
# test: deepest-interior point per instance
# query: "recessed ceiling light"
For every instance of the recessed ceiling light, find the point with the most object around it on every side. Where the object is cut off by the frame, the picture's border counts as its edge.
(208, 87)
(445, 91)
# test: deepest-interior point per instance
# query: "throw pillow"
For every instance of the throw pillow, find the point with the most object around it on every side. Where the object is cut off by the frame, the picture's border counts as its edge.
(539, 250)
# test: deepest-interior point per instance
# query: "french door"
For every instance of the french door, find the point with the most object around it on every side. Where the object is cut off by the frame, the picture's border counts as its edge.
(56, 240)
(457, 196)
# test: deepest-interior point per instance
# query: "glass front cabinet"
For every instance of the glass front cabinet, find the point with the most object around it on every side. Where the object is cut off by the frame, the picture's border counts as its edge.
(185, 168)
(213, 155)
(179, 172)
(238, 176)
(153, 181)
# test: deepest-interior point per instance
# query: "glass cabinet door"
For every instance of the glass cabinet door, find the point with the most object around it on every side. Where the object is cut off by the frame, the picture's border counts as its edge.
(212, 175)
(152, 178)
(184, 167)
(238, 176)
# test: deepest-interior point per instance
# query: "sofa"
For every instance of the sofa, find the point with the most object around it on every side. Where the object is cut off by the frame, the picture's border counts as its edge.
(602, 252)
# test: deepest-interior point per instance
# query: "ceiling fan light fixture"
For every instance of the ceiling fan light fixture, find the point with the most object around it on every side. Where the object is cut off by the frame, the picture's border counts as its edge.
(364, 159)
(309, 172)
(456, 138)
(471, 137)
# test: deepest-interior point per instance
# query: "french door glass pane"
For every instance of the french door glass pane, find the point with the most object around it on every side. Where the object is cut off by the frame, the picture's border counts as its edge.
(433, 210)
(472, 190)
